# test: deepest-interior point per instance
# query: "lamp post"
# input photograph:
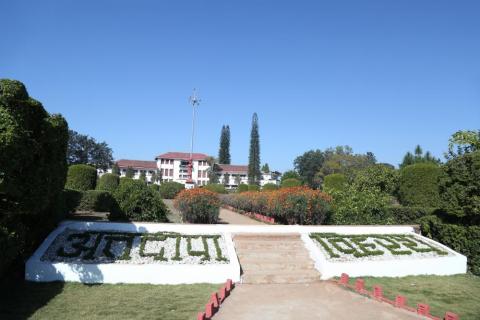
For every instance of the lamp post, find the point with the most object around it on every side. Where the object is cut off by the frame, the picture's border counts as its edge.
(195, 101)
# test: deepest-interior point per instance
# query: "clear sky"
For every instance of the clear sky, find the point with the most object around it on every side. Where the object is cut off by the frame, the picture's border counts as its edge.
(380, 76)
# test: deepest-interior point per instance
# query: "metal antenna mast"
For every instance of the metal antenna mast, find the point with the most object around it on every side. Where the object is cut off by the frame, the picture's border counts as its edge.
(195, 101)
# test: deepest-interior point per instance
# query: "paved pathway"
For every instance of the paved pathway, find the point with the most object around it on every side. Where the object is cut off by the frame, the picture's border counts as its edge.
(231, 217)
(318, 300)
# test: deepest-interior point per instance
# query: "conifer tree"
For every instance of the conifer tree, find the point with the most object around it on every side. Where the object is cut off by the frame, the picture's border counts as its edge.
(224, 150)
(254, 173)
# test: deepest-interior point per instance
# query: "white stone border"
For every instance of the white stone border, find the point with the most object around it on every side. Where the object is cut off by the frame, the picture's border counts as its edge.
(44, 271)
(440, 265)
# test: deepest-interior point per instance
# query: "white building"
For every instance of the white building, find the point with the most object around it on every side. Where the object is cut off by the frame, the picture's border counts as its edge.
(238, 174)
(174, 167)
(138, 166)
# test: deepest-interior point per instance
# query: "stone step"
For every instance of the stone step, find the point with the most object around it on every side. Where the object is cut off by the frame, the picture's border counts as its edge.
(274, 278)
(268, 265)
(268, 245)
(263, 237)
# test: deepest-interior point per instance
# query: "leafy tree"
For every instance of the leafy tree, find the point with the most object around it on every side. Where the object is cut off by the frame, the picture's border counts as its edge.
(213, 170)
(418, 157)
(224, 151)
(462, 142)
(334, 181)
(380, 177)
(265, 168)
(143, 176)
(290, 174)
(419, 185)
(83, 149)
(130, 173)
(308, 164)
(254, 173)
(108, 182)
(292, 182)
(116, 169)
(170, 189)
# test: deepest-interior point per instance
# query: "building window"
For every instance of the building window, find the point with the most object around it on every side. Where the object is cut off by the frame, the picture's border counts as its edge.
(171, 172)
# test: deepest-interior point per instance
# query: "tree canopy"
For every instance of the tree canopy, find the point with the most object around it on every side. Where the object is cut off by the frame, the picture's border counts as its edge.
(254, 173)
(83, 149)
(224, 150)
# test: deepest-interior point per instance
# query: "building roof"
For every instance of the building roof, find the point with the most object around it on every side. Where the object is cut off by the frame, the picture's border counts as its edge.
(232, 168)
(137, 164)
(182, 156)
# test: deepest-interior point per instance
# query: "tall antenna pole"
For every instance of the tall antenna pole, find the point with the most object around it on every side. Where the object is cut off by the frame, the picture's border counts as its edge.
(195, 101)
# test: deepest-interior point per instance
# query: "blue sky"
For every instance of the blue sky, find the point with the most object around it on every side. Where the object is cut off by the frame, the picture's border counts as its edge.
(380, 76)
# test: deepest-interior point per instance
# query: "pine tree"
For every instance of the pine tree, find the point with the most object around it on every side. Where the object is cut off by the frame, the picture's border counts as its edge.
(254, 173)
(115, 169)
(224, 150)
(265, 168)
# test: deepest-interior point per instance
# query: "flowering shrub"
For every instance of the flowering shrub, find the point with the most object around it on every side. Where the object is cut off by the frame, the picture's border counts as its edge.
(296, 205)
(198, 205)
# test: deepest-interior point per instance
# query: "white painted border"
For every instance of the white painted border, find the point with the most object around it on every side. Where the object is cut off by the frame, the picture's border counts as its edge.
(441, 265)
(44, 271)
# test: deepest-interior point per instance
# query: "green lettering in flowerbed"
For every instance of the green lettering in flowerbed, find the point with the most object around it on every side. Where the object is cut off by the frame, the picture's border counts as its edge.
(365, 245)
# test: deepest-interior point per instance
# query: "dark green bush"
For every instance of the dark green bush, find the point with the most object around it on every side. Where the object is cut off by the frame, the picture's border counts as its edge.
(108, 182)
(138, 202)
(154, 187)
(216, 187)
(33, 146)
(408, 215)
(292, 182)
(96, 201)
(460, 188)
(253, 187)
(198, 205)
(334, 181)
(72, 199)
(169, 190)
(269, 187)
(81, 177)
(464, 239)
(242, 187)
(419, 185)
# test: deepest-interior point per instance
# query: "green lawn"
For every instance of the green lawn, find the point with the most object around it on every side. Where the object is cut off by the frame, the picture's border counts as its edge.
(78, 301)
(458, 293)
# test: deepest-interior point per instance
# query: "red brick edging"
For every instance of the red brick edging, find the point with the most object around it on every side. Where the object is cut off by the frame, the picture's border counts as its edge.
(399, 302)
(216, 299)
(254, 215)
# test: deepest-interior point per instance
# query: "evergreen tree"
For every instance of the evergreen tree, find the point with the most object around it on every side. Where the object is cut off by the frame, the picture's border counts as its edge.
(115, 169)
(130, 173)
(254, 173)
(265, 168)
(224, 151)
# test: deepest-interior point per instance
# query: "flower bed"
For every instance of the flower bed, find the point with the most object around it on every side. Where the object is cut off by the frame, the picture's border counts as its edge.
(340, 247)
(80, 246)
(198, 205)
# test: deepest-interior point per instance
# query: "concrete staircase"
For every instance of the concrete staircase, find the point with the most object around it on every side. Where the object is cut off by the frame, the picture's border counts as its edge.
(276, 258)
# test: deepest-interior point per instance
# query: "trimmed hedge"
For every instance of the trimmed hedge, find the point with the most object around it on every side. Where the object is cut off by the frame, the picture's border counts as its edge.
(292, 182)
(408, 215)
(108, 182)
(419, 185)
(96, 201)
(169, 190)
(81, 177)
(269, 187)
(216, 187)
(138, 202)
(253, 187)
(198, 205)
(334, 181)
(298, 205)
(464, 239)
(242, 188)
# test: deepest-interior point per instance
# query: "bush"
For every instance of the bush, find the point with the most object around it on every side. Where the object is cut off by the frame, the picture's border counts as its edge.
(108, 182)
(292, 182)
(464, 239)
(198, 205)
(242, 187)
(33, 147)
(334, 181)
(154, 187)
(269, 187)
(408, 215)
(96, 201)
(378, 176)
(72, 199)
(169, 190)
(298, 205)
(216, 187)
(81, 177)
(460, 188)
(253, 187)
(418, 185)
(138, 202)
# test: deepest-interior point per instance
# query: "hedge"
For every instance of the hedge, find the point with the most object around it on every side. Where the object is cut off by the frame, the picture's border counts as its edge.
(216, 187)
(242, 187)
(169, 190)
(334, 181)
(297, 205)
(90, 200)
(269, 187)
(81, 177)
(108, 182)
(292, 182)
(464, 239)
(418, 185)
(138, 202)
(253, 187)
(198, 205)
(408, 215)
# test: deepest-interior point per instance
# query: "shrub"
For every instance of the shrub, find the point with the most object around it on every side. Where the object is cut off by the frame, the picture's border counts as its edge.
(408, 215)
(334, 181)
(253, 187)
(72, 199)
(154, 187)
(292, 182)
(460, 188)
(81, 177)
(169, 190)
(298, 205)
(418, 185)
(108, 182)
(269, 187)
(138, 202)
(33, 147)
(96, 201)
(464, 239)
(242, 187)
(353, 206)
(216, 187)
(378, 176)
(198, 205)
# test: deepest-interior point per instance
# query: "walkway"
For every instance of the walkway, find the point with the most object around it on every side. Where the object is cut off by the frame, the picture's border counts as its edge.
(231, 217)
(318, 300)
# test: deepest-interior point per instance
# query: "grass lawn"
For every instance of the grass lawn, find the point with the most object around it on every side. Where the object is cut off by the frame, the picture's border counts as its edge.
(78, 301)
(458, 293)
